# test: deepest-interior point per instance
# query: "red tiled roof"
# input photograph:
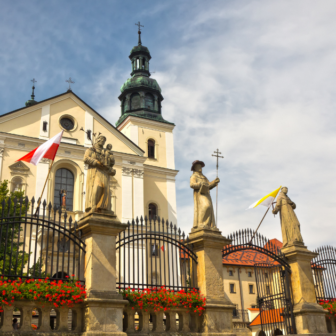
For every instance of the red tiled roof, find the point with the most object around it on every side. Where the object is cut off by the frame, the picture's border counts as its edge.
(252, 257)
(248, 258)
(253, 309)
(268, 316)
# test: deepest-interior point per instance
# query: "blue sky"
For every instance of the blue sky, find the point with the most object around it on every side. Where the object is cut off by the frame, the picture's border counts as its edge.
(255, 79)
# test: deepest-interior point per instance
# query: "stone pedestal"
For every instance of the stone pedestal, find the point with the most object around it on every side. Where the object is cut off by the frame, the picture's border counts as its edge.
(103, 306)
(310, 317)
(208, 245)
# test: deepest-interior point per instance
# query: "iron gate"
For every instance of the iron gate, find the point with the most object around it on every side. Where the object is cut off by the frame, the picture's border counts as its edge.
(275, 299)
(153, 253)
(272, 274)
(324, 273)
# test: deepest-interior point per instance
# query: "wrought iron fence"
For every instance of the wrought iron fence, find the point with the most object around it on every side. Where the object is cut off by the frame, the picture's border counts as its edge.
(153, 253)
(275, 299)
(45, 244)
(242, 240)
(324, 273)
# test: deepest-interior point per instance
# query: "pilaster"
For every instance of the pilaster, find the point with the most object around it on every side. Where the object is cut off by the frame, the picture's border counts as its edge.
(310, 317)
(208, 245)
(103, 306)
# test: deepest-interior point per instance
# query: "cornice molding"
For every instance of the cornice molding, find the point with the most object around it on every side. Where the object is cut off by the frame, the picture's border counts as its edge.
(160, 170)
(145, 121)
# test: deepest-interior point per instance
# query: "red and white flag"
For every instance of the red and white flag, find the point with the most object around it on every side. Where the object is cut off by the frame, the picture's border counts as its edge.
(48, 150)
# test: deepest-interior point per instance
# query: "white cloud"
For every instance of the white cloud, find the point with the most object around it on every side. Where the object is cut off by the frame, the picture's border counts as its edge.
(260, 87)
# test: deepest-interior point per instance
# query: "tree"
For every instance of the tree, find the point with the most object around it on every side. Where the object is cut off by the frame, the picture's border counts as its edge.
(13, 207)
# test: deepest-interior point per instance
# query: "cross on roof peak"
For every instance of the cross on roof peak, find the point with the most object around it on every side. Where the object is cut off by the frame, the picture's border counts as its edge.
(139, 32)
(139, 25)
(70, 81)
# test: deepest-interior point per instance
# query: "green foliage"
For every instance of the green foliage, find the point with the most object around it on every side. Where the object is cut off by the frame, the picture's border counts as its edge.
(11, 249)
(59, 293)
(162, 299)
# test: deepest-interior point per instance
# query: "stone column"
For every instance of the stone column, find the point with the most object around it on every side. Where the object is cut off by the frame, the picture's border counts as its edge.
(2, 150)
(310, 317)
(208, 245)
(103, 306)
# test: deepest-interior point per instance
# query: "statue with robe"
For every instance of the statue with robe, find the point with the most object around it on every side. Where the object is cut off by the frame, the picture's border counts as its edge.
(290, 225)
(100, 163)
(203, 209)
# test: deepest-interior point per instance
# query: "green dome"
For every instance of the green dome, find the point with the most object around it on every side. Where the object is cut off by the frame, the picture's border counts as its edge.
(139, 48)
(138, 81)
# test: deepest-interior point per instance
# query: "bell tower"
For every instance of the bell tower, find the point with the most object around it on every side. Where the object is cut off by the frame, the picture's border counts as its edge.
(140, 95)
(142, 122)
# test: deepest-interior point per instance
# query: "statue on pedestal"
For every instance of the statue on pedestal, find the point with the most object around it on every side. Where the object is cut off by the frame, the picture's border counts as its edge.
(290, 225)
(203, 210)
(100, 163)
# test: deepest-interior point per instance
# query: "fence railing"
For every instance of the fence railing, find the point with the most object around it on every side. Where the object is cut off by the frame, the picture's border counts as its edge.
(33, 316)
(38, 244)
(177, 320)
(247, 240)
(324, 273)
(153, 253)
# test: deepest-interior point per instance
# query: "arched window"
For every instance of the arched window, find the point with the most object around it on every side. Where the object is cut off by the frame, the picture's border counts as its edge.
(16, 184)
(149, 101)
(151, 149)
(135, 101)
(152, 211)
(64, 188)
(124, 105)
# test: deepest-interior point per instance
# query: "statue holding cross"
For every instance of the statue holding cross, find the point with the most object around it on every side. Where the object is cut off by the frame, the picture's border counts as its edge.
(204, 216)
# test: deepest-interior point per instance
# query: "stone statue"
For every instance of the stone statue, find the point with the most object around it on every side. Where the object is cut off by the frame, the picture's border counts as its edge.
(203, 210)
(100, 169)
(290, 226)
(63, 198)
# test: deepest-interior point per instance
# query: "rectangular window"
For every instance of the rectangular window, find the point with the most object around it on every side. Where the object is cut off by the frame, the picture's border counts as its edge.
(268, 290)
(45, 126)
(253, 306)
(88, 134)
(266, 275)
(231, 273)
(232, 288)
(251, 289)
(154, 250)
(249, 274)
(235, 312)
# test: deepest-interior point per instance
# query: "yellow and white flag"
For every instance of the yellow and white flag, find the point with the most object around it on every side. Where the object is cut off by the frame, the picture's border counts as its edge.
(266, 200)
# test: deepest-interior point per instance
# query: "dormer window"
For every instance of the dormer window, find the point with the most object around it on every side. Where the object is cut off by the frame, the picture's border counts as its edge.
(149, 101)
(151, 149)
(135, 101)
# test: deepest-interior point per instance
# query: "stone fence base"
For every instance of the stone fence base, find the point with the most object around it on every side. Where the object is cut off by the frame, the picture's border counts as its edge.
(35, 317)
(178, 321)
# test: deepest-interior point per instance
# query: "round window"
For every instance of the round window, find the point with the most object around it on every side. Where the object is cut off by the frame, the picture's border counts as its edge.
(67, 124)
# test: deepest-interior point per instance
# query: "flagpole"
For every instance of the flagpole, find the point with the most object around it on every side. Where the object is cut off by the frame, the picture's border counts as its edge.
(263, 219)
(259, 225)
(45, 183)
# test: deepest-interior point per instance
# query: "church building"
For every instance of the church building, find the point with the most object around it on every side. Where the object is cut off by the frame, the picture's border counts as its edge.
(142, 140)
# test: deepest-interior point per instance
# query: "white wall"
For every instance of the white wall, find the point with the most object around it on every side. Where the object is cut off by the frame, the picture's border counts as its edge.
(45, 116)
(170, 150)
(171, 200)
